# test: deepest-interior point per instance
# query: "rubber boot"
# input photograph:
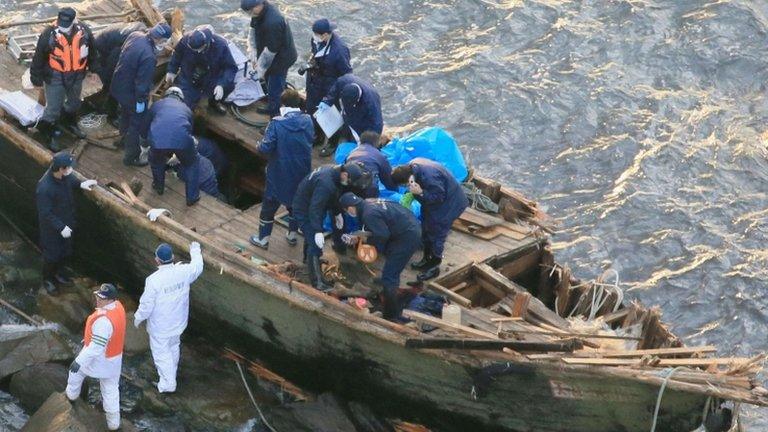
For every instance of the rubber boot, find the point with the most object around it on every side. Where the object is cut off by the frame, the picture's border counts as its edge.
(51, 134)
(426, 259)
(316, 274)
(69, 122)
(391, 307)
(431, 271)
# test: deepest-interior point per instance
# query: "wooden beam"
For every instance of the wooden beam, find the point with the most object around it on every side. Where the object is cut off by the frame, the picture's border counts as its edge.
(52, 19)
(535, 307)
(567, 345)
(437, 322)
(659, 352)
(704, 362)
(454, 297)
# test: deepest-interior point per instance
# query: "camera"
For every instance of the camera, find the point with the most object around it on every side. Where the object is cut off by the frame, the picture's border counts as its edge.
(308, 66)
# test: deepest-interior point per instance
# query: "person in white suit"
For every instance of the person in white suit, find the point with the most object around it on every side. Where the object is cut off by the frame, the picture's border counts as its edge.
(165, 306)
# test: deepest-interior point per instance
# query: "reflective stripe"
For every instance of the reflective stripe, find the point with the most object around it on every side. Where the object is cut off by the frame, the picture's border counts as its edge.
(116, 317)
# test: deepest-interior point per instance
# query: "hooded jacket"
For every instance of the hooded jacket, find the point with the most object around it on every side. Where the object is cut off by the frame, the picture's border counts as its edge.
(40, 71)
(109, 42)
(270, 30)
(388, 221)
(170, 125)
(366, 114)
(133, 78)
(443, 199)
(287, 144)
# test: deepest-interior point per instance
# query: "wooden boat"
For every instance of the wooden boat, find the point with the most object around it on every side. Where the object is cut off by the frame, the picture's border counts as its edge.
(508, 362)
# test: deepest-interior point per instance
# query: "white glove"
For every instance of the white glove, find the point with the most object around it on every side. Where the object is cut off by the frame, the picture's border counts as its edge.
(155, 213)
(218, 92)
(169, 77)
(173, 161)
(136, 322)
(320, 240)
(339, 221)
(194, 246)
(88, 184)
(66, 232)
(349, 240)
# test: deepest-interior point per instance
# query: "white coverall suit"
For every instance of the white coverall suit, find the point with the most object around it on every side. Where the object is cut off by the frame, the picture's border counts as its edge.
(165, 306)
(95, 364)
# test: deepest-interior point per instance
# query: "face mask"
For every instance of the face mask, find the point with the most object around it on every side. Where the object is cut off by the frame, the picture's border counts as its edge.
(317, 39)
(345, 182)
(160, 46)
(66, 29)
(68, 171)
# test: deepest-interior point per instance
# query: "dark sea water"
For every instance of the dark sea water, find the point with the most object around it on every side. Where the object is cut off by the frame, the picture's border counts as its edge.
(639, 125)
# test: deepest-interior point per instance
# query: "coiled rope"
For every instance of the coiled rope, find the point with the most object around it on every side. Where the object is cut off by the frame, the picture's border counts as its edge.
(478, 200)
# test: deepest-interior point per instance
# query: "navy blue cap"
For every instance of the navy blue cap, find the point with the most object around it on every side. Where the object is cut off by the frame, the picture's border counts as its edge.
(164, 253)
(66, 17)
(349, 199)
(355, 170)
(323, 26)
(351, 94)
(247, 5)
(161, 31)
(106, 291)
(199, 38)
(62, 159)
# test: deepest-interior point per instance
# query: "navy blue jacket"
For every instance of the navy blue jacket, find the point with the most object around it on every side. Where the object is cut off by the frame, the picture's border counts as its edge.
(109, 42)
(217, 62)
(333, 63)
(443, 200)
(387, 221)
(318, 194)
(273, 32)
(133, 78)
(170, 125)
(287, 145)
(375, 163)
(366, 115)
(208, 182)
(40, 71)
(55, 210)
(211, 151)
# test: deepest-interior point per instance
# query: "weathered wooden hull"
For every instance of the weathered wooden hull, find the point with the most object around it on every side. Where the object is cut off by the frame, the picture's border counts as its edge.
(310, 343)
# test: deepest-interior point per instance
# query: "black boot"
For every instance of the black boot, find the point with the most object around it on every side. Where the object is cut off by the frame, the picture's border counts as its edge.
(51, 134)
(316, 274)
(426, 259)
(69, 123)
(432, 271)
(159, 188)
(339, 248)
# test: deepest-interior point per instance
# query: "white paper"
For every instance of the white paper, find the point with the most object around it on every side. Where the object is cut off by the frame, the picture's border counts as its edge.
(22, 107)
(330, 120)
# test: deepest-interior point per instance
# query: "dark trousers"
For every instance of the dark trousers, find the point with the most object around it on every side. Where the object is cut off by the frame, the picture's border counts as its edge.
(130, 129)
(51, 269)
(193, 94)
(269, 208)
(434, 234)
(399, 252)
(275, 87)
(158, 158)
(310, 248)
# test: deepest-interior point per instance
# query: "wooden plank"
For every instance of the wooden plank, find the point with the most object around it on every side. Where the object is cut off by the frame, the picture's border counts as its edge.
(458, 287)
(535, 307)
(457, 298)
(520, 264)
(437, 322)
(659, 352)
(705, 362)
(484, 220)
(484, 234)
(520, 305)
(506, 319)
(567, 345)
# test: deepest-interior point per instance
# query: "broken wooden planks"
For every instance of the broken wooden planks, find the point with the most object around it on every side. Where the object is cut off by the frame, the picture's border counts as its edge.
(437, 322)
(567, 345)
(658, 352)
(693, 362)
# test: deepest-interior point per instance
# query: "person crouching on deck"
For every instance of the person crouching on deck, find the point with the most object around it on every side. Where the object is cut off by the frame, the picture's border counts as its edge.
(170, 132)
(102, 353)
(394, 232)
(442, 201)
(63, 52)
(287, 144)
(369, 154)
(165, 306)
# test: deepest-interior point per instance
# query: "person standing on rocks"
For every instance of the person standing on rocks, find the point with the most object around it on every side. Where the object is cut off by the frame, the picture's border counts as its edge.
(56, 217)
(165, 306)
(102, 353)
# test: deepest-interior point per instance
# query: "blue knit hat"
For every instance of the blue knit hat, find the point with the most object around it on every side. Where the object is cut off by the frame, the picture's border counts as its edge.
(323, 26)
(247, 5)
(349, 199)
(164, 253)
(161, 31)
(62, 159)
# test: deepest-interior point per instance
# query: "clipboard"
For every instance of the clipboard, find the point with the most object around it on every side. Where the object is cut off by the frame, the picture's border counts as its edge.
(329, 120)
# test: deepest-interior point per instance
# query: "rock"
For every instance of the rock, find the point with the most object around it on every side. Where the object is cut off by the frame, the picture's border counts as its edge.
(58, 414)
(22, 346)
(323, 415)
(365, 420)
(136, 339)
(34, 384)
(67, 309)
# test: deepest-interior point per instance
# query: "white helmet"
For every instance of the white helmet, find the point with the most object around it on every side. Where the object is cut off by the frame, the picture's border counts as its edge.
(174, 91)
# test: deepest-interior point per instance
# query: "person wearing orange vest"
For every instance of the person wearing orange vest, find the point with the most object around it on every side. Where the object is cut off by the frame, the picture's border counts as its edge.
(62, 55)
(102, 353)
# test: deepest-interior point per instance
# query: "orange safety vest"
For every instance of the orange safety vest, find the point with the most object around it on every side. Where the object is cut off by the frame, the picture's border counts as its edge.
(116, 316)
(65, 56)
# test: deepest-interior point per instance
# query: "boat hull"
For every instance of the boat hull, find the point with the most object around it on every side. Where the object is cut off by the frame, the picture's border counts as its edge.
(324, 352)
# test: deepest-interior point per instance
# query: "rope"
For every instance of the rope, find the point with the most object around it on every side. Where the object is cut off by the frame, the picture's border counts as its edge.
(92, 121)
(253, 400)
(254, 123)
(478, 200)
(661, 393)
(600, 295)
